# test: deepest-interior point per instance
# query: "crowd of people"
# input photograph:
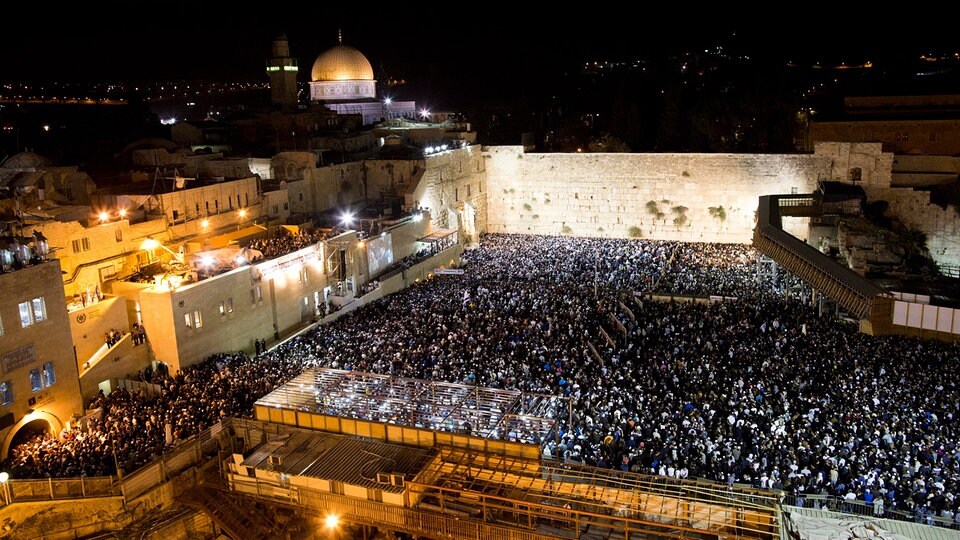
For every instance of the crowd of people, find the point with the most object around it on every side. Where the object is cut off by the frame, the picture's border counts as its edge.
(754, 389)
(287, 242)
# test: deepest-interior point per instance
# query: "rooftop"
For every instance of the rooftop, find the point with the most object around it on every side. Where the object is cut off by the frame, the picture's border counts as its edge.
(340, 458)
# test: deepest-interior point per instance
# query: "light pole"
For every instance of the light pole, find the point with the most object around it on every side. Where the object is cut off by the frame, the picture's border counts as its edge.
(149, 244)
(4, 477)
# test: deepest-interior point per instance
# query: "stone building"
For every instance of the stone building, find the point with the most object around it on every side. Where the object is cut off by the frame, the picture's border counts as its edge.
(38, 385)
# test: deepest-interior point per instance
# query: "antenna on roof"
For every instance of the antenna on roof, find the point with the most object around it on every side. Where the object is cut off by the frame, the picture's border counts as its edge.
(340, 35)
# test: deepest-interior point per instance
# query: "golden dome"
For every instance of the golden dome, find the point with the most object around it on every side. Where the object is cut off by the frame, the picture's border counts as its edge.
(341, 63)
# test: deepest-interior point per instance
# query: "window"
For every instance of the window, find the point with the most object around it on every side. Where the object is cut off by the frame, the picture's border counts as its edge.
(301, 197)
(276, 209)
(39, 309)
(304, 276)
(188, 320)
(197, 319)
(223, 308)
(238, 200)
(6, 392)
(246, 199)
(80, 245)
(32, 311)
(198, 208)
(259, 293)
(216, 205)
(256, 295)
(456, 194)
(1, 327)
(36, 384)
(856, 174)
(49, 377)
(468, 190)
(118, 234)
(230, 305)
(206, 206)
(176, 215)
(286, 206)
(306, 300)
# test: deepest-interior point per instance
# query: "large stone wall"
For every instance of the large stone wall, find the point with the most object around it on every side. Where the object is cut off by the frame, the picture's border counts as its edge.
(662, 196)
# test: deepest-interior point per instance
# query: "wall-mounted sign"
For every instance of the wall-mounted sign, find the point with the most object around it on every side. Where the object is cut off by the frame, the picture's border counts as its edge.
(18, 358)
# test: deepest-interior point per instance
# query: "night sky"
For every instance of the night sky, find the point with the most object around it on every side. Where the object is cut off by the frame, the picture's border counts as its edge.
(473, 42)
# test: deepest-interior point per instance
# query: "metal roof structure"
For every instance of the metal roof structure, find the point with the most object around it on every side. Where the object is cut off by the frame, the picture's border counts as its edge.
(336, 457)
(488, 413)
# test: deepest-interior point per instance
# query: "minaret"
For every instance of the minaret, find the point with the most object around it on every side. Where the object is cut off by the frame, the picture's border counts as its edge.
(282, 70)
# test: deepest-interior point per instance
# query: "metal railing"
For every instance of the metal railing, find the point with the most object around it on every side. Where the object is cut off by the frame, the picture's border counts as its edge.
(862, 508)
(53, 489)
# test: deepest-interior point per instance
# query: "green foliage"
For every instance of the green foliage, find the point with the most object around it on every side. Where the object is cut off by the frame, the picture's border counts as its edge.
(546, 201)
(685, 173)
(653, 208)
(680, 220)
(679, 210)
(512, 190)
(505, 191)
(527, 207)
(660, 215)
(635, 232)
(600, 229)
(566, 229)
(536, 216)
(718, 212)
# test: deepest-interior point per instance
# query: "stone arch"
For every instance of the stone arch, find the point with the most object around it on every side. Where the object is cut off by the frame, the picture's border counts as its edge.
(36, 420)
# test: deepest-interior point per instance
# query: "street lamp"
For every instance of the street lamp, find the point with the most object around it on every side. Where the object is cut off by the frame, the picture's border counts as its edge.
(386, 105)
(242, 213)
(4, 476)
(149, 244)
(332, 521)
(346, 218)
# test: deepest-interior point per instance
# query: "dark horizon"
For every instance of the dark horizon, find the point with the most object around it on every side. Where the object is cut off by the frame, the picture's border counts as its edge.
(184, 41)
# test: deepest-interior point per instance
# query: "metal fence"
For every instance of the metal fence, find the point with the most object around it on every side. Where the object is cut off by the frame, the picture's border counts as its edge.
(52, 489)
(862, 508)
(185, 455)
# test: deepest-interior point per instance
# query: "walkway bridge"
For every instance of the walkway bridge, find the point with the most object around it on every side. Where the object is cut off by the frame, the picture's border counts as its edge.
(853, 292)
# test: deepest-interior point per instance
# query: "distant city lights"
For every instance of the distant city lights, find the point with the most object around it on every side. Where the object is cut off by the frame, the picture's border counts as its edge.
(169, 121)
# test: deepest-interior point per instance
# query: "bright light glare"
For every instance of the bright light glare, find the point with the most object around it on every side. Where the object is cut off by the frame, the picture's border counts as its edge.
(205, 223)
(332, 521)
(104, 216)
(169, 121)
(123, 212)
(4, 476)
(240, 261)
(387, 101)
(243, 212)
(206, 260)
(424, 113)
(347, 218)
(149, 244)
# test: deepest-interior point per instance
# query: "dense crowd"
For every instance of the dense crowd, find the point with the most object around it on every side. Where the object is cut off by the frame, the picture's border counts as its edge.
(755, 389)
(287, 242)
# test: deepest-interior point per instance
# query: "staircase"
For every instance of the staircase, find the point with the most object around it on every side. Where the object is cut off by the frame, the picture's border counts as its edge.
(239, 517)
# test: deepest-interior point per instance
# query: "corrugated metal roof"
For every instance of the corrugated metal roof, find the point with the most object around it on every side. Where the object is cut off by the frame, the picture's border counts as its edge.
(339, 458)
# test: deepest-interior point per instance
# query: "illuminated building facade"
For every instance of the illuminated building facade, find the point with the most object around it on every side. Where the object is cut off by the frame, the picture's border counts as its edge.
(38, 384)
